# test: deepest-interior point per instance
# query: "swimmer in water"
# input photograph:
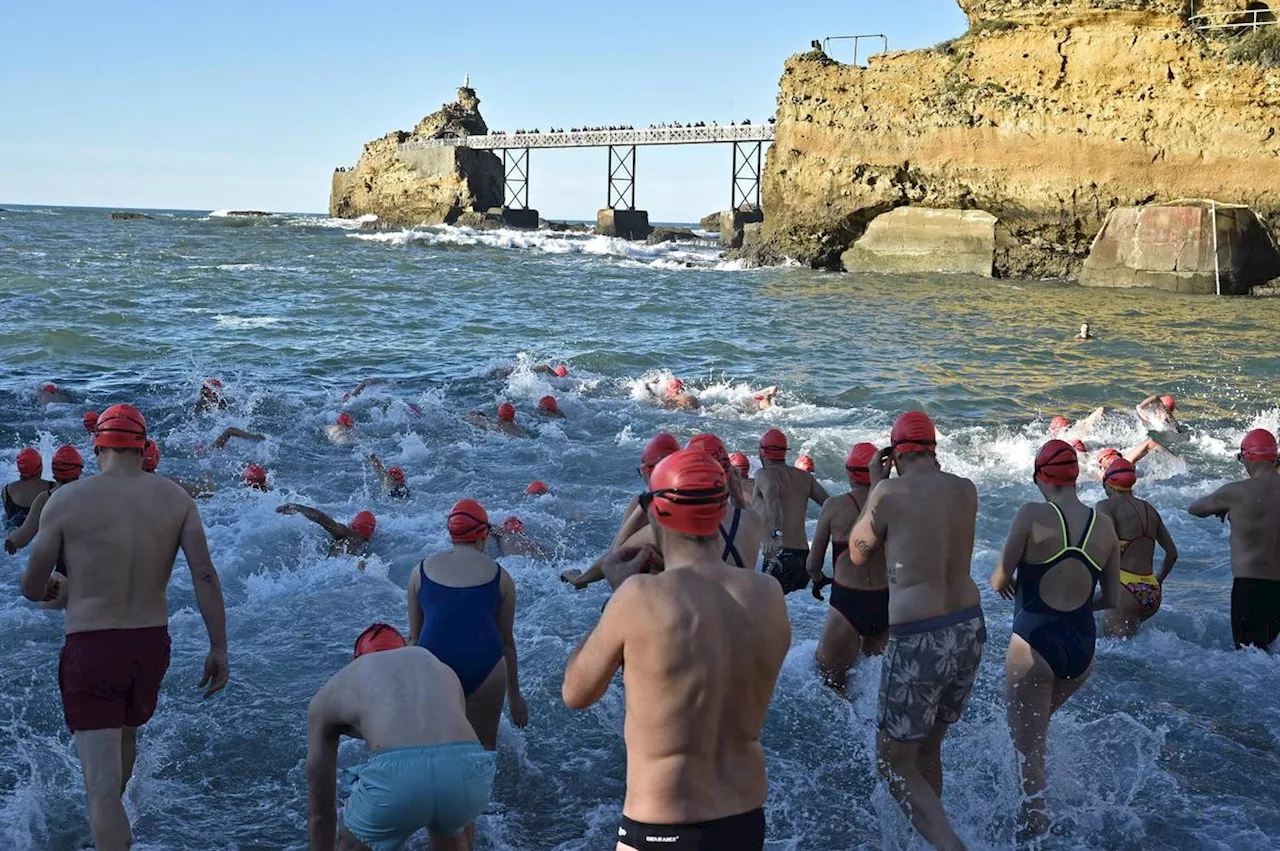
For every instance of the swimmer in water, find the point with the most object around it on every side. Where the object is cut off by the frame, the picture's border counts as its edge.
(1139, 528)
(118, 533)
(68, 464)
(348, 539)
(703, 645)
(858, 617)
(560, 371)
(1156, 412)
(392, 478)
(343, 431)
(782, 495)
(764, 400)
(90, 421)
(1058, 425)
(227, 434)
(925, 521)
(675, 397)
(211, 397)
(195, 490)
(1133, 455)
(1085, 333)
(425, 768)
(505, 424)
(1053, 579)
(549, 407)
(20, 495)
(511, 541)
(804, 462)
(51, 394)
(365, 385)
(1253, 508)
(462, 607)
(255, 478)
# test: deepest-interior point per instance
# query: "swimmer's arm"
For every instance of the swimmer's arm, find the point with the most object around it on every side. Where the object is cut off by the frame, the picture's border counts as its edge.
(26, 533)
(771, 503)
(1015, 547)
(36, 579)
(204, 579)
(413, 606)
(817, 492)
(506, 625)
(1217, 504)
(1145, 403)
(818, 551)
(1165, 539)
(322, 773)
(1142, 450)
(231, 432)
(1109, 590)
(633, 521)
(867, 533)
(366, 384)
(598, 656)
(339, 531)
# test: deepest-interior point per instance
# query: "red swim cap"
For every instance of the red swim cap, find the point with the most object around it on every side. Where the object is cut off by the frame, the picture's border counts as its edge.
(804, 462)
(659, 446)
(379, 636)
(214, 383)
(713, 446)
(30, 463)
(67, 464)
(346, 420)
(548, 404)
(1258, 445)
(1106, 456)
(468, 522)
(1057, 464)
(256, 477)
(364, 524)
(914, 432)
(536, 488)
(513, 525)
(689, 490)
(507, 412)
(1078, 445)
(49, 388)
(561, 371)
(396, 474)
(1059, 424)
(773, 445)
(741, 462)
(150, 456)
(1169, 403)
(858, 464)
(120, 427)
(1120, 475)
(90, 421)
(675, 387)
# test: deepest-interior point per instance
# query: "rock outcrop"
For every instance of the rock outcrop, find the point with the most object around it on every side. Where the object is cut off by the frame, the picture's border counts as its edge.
(657, 236)
(128, 217)
(919, 239)
(427, 185)
(710, 222)
(1047, 114)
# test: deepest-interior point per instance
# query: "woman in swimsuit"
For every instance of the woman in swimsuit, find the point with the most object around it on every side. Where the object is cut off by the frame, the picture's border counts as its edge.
(18, 496)
(1139, 527)
(1056, 555)
(462, 607)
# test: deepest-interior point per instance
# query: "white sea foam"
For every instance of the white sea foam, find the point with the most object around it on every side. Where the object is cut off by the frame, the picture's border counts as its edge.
(245, 322)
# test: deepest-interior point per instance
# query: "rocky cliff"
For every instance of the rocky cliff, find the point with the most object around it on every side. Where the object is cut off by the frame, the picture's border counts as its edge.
(425, 186)
(1047, 113)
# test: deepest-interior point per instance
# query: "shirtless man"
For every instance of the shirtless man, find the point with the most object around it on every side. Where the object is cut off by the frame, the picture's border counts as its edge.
(392, 478)
(782, 495)
(1253, 507)
(511, 540)
(425, 769)
(1156, 412)
(703, 644)
(925, 520)
(67, 467)
(675, 397)
(858, 618)
(505, 424)
(118, 533)
(764, 400)
(348, 539)
(549, 407)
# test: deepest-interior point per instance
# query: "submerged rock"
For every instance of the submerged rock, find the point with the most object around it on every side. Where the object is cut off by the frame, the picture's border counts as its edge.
(127, 217)
(248, 213)
(710, 222)
(660, 235)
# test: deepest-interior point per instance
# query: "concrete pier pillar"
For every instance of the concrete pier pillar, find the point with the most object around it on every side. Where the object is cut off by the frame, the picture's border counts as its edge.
(732, 222)
(626, 224)
(523, 218)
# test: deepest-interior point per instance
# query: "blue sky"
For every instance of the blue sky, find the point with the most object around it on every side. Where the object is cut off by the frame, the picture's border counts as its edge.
(252, 105)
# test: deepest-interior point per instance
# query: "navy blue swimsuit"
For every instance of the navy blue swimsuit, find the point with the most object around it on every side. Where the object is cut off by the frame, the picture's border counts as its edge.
(730, 547)
(460, 627)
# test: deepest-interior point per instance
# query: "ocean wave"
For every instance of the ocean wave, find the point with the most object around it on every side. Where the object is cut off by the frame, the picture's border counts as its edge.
(222, 320)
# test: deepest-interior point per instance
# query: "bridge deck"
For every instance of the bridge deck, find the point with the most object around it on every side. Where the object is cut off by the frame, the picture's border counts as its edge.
(603, 138)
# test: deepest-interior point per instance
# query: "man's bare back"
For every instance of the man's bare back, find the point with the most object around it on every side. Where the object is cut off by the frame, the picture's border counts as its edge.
(782, 495)
(1252, 507)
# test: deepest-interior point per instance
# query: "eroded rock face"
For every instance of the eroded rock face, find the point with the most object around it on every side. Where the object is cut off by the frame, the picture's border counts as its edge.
(1047, 125)
(423, 186)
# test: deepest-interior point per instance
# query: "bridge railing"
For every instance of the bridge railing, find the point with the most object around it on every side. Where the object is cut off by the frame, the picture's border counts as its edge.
(604, 138)
(1242, 19)
(857, 41)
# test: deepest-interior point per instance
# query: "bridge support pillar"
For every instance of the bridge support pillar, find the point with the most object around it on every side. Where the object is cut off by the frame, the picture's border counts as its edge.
(732, 223)
(523, 218)
(625, 224)
(515, 210)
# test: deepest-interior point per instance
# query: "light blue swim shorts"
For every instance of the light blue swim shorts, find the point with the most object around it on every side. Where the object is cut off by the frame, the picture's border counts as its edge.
(399, 791)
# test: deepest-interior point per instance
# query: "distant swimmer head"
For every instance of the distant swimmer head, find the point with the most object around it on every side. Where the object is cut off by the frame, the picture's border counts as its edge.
(1170, 404)
(68, 464)
(804, 462)
(346, 420)
(914, 433)
(1059, 424)
(773, 446)
(379, 636)
(396, 474)
(548, 404)
(150, 456)
(90, 421)
(120, 427)
(364, 524)
(536, 488)
(741, 463)
(713, 446)
(513, 526)
(211, 389)
(1057, 465)
(561, 371)
(255, 476)
(1258, 445)
(49, 388)
(659, 446)
(675, 387)
(858, 464)
(1120, 475)
(507, 412)
(30, 463)
(1079, 446)
(468, 522)
(688, 493)
(1106, 456)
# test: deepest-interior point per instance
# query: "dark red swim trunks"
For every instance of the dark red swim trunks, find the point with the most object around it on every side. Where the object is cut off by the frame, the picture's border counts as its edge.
(111, 678)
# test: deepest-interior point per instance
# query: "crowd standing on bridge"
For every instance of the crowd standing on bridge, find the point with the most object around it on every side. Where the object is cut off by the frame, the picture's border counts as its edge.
(702, 632)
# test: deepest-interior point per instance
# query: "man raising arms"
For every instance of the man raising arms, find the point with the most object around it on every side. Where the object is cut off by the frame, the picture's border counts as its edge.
(703, 644)
(118, 533)
(783, 495)
(925, 519)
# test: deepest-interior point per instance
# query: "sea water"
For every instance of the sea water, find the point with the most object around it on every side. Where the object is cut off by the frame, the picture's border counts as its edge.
(1171, 744)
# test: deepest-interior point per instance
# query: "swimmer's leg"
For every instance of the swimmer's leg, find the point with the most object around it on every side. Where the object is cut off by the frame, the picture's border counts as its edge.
(838, 651)
(102, 763)
(484, 706)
